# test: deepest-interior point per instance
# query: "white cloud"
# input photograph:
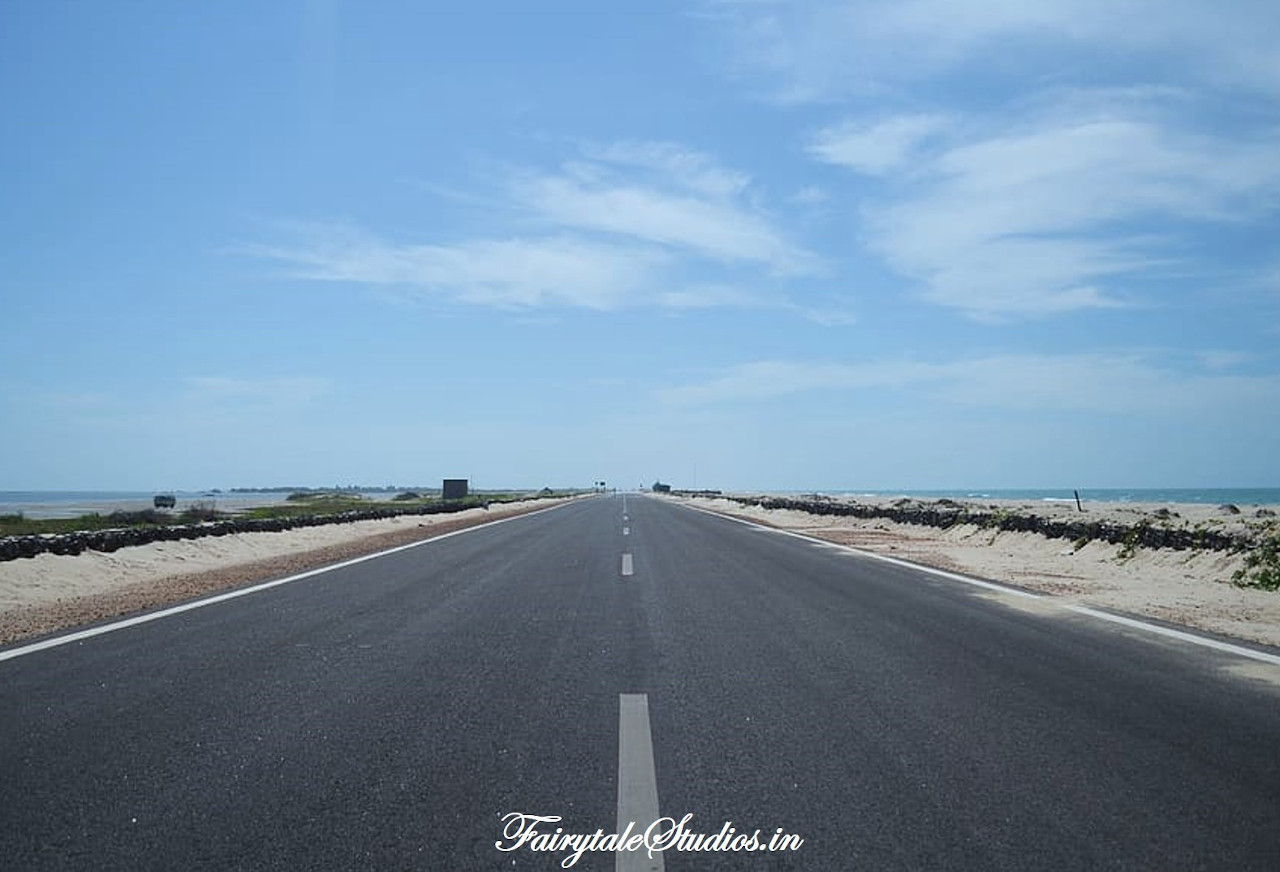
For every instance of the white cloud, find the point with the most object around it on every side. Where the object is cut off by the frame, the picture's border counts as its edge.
(506, 273)
(810, 195)
(769, 379)
(1221, 359)
(699, 226)
(685, 167)
(1082, 143)
(1102, 383)
(623, 227)
(821, 49)
(565, 270)
(1037, 217)
(259, 390)
(684, 201)
(1100, 166)
(709, 296)
(876, 148)
(828, 317)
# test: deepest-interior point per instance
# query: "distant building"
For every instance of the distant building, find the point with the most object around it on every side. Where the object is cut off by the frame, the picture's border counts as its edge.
(454, 488)
(660, 488)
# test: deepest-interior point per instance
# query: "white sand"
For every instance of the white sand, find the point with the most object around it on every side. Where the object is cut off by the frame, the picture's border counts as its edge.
(1191, 588)
(49, 578)
(1185, 587)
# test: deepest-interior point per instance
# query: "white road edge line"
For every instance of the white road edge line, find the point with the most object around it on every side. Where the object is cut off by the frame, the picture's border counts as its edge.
(1203, 641)
(637, 781)
(628, 566)
(1177, 634)
(941, 573)
(81, 635)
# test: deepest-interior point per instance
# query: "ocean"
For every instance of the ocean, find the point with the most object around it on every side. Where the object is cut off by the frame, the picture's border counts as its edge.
(1248, 496)
(70, 504)
(41, 505)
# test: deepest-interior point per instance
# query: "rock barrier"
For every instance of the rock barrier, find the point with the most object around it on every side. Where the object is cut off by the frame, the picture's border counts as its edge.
(15, 547)
(944, 514)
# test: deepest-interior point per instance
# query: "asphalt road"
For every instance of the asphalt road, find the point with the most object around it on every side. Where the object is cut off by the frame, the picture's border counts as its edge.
(390, 713)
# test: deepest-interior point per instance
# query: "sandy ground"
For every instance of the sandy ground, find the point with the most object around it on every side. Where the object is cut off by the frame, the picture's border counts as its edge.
(1182, 587)
(51, 591)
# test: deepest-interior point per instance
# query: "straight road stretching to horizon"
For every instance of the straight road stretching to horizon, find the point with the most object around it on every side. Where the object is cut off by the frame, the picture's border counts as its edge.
(619, 658)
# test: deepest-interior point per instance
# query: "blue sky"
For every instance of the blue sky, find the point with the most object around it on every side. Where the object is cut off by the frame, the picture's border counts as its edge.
(909, 244)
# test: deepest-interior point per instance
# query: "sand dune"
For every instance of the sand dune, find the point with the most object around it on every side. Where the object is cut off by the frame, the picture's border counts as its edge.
(1191, 588)
(49, 592)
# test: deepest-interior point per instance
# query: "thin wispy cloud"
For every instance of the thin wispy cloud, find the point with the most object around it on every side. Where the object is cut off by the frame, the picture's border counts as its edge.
(702, 227)
(1223, 360)
(876, 148)
(827, 317)
(616, 227)
(770, 379)
(819, 50)
(1092, 145)
(264, 390)
(794, 221)
(680, 166)
(505, 273)
(711, 296)
(810, 195)
(1041, 216)
(661, 194)
(1101, 383)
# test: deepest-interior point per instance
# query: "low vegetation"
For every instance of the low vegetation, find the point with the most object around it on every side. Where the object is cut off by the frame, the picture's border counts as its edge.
(19, 525)
(296, 505)
(198, 513)
(1132, 541)
(1262, 562)
(1257, 544)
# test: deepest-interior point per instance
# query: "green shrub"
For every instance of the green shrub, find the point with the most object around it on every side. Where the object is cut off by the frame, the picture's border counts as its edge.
(136, 519)
(1132, 540)
(196, 512)
(1261, 564)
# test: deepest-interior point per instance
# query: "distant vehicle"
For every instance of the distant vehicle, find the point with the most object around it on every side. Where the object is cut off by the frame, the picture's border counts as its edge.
(164, 501)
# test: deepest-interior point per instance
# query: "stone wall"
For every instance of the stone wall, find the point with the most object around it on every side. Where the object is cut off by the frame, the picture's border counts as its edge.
(14, 547)
(944, 514)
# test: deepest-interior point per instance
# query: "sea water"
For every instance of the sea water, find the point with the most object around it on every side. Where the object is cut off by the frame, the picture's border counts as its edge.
(39, 505)
(1249, 496)
(71, 504)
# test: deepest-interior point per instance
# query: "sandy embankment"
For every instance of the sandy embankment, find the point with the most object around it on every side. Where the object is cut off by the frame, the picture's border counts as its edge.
(50, 592)
(1191, 588)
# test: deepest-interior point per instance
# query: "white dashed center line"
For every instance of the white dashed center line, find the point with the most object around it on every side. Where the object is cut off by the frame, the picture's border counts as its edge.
(637, 780)
(628, 567)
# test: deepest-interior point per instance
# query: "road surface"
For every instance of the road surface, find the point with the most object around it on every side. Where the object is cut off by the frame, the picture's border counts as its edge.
(624, 658)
